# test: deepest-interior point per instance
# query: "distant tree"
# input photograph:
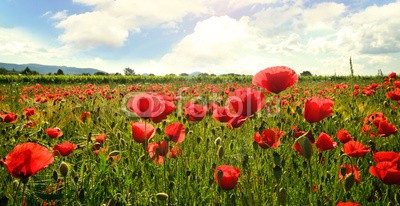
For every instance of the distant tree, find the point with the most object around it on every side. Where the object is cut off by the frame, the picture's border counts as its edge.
(117, 74)
(184, 74)
(129, 72)
(60, 72)
(151, 75)
(100, 73)
(204, 74)
(306, 73)
(171, 75)
(85, 74)
(4, 71)
(28, 71)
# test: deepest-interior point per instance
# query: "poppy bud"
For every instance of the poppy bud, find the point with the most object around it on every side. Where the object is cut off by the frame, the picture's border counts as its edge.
(245, 160)
(282, 196)
(114, 153)
(349, 182)
(162, 196)
(217, 141)
(55, 175)
(220, 152)
(277, 173)
(343, 171)
(64, 169)
(306, 148)
(277, 158)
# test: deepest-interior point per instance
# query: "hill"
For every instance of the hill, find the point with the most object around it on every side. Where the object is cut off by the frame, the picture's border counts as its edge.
(45, 69)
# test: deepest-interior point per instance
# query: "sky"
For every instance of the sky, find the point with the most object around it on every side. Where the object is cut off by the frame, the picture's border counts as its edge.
(214, 36)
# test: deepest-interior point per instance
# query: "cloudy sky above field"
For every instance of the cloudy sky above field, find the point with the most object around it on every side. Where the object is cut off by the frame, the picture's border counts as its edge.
(214, 36)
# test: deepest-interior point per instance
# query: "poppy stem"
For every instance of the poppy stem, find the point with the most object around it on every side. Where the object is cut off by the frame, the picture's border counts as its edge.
(311, 183)
(23, 192)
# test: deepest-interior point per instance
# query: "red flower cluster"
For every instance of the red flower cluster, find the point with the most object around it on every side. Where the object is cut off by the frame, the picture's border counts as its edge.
(9, 117)
(382, 127)
(387, 167)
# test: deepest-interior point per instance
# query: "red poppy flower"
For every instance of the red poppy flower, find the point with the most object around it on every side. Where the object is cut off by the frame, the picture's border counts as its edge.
(397, 84)
(101, 138)
(246, 101)
(175, 152)
(392, 75)
(9, 117)
(195, 112)
(30, 124)
(222, 114)
(387, 172)
(275, 79)
(26, 159)
(349, 169)
(142, 132)
(169, 107)
(84, 115)
(343, 136)
(393, 95)
(148, 105)
(375, 118)
(54, 132)
(317, 109)
(325, 142)
(157, 151)
(347, 204)
(175, 132)
(236, 122)
(355, 149)
(386, 129)
(226, 176)
(64, 149)
(386, 157)
(29, 111)
(269, 138)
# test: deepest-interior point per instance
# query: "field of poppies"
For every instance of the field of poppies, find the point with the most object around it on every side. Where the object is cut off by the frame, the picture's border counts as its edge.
(273, 140)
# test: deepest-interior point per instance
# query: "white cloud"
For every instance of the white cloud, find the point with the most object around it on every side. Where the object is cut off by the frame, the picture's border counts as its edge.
(322, 16)
(60, 15)
(111, 22)
(217, 45)
(98, 28)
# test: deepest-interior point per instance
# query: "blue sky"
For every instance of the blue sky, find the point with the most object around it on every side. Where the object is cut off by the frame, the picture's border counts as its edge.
(214, 36)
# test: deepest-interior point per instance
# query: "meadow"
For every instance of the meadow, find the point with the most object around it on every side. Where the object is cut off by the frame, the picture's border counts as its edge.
(226, 141)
